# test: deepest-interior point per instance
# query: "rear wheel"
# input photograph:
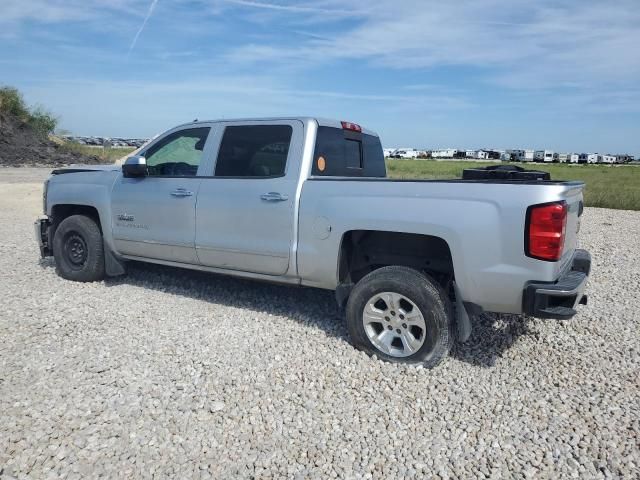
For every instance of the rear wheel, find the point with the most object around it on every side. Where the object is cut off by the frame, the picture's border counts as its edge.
(401, 315)
(78, 249)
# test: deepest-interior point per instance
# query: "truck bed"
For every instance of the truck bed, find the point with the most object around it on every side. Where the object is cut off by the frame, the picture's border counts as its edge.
(482, 221)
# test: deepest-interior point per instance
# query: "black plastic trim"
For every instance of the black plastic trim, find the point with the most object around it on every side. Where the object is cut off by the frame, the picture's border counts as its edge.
(327, 178)
(558, 299)
(61, 171)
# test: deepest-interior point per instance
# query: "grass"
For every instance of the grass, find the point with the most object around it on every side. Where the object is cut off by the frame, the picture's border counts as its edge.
(12, 103)
(106, 155)
(607, 186)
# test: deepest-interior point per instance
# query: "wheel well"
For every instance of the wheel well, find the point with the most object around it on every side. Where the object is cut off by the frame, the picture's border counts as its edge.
(60, 212)
(363, 251)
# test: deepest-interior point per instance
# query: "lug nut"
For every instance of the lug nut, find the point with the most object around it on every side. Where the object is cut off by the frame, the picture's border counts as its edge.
(397, 330)
(389, 327)
(404, 325)
(393, 313)
(401, 317)
(387, 319)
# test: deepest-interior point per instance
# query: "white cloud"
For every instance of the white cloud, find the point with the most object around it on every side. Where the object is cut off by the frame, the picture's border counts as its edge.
(520, 43)
(290, 8)
(51, 11)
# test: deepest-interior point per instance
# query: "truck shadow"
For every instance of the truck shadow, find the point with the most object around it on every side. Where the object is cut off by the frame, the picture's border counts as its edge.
(310, 306)
(492, 335)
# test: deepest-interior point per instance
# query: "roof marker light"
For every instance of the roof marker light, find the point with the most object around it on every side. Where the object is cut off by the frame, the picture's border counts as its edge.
(354, 127)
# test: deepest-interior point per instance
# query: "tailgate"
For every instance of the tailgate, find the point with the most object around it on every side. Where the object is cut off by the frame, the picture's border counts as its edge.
(574, 199)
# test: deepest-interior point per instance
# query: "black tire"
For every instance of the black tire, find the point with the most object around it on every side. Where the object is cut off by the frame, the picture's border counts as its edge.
(425, 293)
(78, 249)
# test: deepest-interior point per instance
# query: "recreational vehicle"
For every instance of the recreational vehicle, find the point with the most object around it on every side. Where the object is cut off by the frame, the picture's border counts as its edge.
(405, 153)
(449, 153)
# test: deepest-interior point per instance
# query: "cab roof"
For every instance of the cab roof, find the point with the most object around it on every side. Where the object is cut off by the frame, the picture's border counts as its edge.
(322, 122)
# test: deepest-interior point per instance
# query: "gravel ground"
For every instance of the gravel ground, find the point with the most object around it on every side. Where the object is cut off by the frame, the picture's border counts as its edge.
(171, 373)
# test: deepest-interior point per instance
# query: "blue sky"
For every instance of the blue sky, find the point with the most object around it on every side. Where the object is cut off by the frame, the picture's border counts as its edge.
(562, 74)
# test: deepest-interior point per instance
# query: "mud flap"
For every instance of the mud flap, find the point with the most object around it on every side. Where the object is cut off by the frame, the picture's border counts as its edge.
(463, 322)
(112, 266)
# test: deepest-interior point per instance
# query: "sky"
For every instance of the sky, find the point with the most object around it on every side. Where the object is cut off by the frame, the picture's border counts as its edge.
(555, 74)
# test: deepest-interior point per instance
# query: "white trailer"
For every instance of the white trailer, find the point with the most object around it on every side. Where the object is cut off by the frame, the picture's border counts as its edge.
(445, 153)
(608, 159)
(594, 158)
(550, 156)
(624, 158)
(529, 156)
(564, 157)
(405, 153)
(388, 151)
(519, 155)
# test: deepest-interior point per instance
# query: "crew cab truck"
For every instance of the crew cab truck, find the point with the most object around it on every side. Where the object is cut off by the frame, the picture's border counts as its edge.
(305, 201)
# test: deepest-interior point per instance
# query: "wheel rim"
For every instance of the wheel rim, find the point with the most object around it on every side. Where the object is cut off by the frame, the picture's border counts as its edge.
(394, 324)
(75, 250)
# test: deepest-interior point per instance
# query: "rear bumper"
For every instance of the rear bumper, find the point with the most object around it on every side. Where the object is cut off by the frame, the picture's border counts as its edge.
(559, 299)
(41, 230)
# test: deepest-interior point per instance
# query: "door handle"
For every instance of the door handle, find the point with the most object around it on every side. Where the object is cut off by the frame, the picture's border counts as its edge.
(274, 197)
(181, 192)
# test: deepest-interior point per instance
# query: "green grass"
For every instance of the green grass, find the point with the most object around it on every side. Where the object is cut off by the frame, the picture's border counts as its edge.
(614, 186)
(12, 104)
(106, 155)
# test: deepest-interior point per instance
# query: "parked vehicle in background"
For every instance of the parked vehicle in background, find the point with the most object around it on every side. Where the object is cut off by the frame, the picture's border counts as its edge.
(405, 153)
(449, 153)
(564, 157)
(305, 201)
(528, 156)
(574, 158)
(609, 159)
(624, 158)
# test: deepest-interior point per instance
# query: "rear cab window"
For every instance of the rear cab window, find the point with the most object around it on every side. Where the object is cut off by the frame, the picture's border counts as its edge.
(346, 153)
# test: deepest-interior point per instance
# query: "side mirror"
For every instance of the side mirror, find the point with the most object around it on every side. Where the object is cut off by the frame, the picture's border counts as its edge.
(135, 166)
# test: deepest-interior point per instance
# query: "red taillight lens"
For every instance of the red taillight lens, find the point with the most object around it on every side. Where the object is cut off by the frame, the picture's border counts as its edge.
(546, 229)
(351, 126)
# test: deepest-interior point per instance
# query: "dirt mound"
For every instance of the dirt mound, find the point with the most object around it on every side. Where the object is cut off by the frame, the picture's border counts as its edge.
(21, 145)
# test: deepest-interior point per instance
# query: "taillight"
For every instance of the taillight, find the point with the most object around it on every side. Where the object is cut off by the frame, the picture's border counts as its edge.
(351, 126)
(545, 231)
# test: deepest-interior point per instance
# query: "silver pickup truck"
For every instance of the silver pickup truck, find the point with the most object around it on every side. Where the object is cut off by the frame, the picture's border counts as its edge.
(305, 201)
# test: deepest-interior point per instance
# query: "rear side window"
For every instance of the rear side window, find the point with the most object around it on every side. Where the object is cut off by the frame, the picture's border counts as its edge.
(345, 153)
(254, 151)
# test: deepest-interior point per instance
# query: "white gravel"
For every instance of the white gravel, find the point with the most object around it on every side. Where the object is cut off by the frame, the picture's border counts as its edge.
(171, 373)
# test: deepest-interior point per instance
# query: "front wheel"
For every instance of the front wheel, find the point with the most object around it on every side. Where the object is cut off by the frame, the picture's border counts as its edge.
(401, 315)
(78, 249)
